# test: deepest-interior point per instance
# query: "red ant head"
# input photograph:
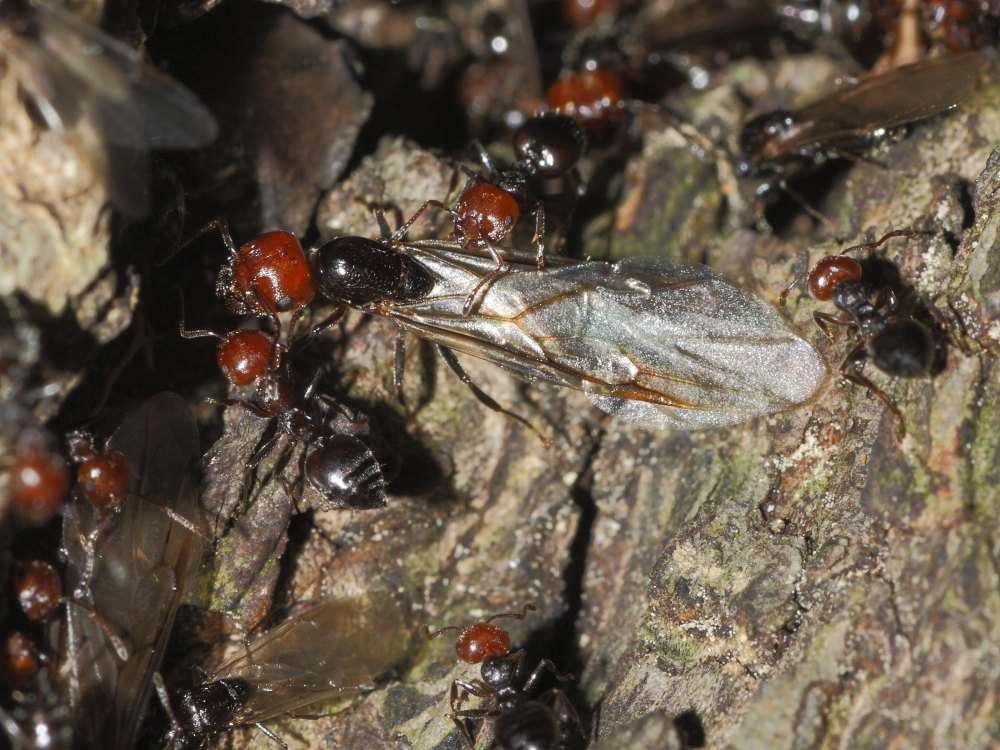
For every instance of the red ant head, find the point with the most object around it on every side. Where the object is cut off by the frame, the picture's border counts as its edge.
(39, 481)
(244, 356)
(481, 640)
(269, 274)
(38, 588)
(485, 212)
(830, 272)
(19, 660)
(103, 479)
(594, 97)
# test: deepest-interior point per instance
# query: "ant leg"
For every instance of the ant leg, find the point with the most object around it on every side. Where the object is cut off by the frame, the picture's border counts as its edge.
(174, 516)
(328, 322)
(485, 399)
(89, 544)
(249, 406)
(311, 388)
(121, 650)
(379, 213)
(536, 674)
(458, 716)
(539, 233)
(401, 232)
(484, 158)
(850, 369)
(827, 321)
(807, 207)
(398, 366)
(161, 692)
(193, 334)
(500, 269)
(219, 224)
(271, 735)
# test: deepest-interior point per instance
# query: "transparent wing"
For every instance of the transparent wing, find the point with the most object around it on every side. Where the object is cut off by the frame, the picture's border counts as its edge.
(653, 341)
(335, 647)
(901, 95)
(90, 84)
(78, 68)
(145, 563)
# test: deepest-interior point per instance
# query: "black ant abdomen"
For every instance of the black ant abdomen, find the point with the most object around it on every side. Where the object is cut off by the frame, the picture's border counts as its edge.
(346, 473)
(904, 348)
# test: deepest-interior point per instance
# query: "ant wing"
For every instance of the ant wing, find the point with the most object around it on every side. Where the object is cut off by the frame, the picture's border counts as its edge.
(654, 341)
(144, 562)
(901, 95)
(93, 86)
(335, 647)
(75, 68)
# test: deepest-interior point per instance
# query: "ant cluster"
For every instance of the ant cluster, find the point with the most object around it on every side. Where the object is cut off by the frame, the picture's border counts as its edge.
(656, 342)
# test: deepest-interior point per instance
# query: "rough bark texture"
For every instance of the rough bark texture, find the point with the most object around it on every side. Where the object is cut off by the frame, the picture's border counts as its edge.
(808, 580)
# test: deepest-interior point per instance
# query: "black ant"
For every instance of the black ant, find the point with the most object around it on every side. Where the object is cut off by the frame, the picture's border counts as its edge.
(340, 467)
(518, 722)
(890, 336)
(547, 146)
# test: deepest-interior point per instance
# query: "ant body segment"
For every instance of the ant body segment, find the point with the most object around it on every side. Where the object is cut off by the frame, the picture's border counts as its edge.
(890, 336)
(39, 482)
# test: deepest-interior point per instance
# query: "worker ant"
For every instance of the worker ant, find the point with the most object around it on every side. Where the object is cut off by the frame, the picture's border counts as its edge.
(890, 336)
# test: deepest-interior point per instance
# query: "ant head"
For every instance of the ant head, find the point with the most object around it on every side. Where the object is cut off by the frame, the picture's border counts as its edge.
(904, 348)
(38, 483)
(829, 273)
(244, 356)
(103, 479)
(482, 640)
(38, 588)
(269, 274)
(485, 212)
